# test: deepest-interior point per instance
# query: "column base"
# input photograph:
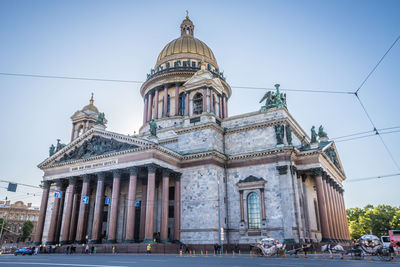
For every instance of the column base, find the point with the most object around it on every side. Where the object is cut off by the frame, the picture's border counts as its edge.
(79, 241)
(129, 240)
(165, 241)
(111, 241)
(148, 240)
(65, 242)
(36, 243)
(50, 243)
(94, 241)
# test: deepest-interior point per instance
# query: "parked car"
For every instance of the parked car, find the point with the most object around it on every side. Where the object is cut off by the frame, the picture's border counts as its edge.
(23, 251)
(385, 239)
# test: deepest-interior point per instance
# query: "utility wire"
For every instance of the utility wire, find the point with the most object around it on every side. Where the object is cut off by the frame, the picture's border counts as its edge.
(372, 177)
(370, 133)
(376, 66)
(67, 77)
(141, 82)
(28, 185)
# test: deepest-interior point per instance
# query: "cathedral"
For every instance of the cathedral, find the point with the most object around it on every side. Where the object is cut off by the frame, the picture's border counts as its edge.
(193, 174)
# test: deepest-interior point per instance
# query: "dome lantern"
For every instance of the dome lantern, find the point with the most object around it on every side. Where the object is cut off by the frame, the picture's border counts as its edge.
(187, 27)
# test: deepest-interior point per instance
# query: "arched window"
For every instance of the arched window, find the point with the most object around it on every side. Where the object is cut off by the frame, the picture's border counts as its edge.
(181, 105)
(253, 210)
(198, 104)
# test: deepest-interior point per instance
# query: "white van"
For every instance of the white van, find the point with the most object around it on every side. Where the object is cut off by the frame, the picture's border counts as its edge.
(385, 241)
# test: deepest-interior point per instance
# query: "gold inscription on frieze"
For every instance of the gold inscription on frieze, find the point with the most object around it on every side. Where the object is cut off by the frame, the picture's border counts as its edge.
(94, 165)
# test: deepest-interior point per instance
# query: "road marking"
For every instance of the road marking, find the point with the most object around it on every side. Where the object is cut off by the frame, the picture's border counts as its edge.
(60, 264)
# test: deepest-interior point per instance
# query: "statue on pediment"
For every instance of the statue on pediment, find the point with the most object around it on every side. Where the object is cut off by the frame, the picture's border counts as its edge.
(59, 145)
(52, 150)
(273, 99)
(313, 135)
(321, 132)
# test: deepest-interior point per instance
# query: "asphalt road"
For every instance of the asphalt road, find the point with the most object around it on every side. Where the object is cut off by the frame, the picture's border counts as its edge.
(126, 260)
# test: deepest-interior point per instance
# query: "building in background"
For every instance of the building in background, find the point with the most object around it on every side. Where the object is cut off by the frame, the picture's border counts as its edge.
(193, 174)
(15, 216)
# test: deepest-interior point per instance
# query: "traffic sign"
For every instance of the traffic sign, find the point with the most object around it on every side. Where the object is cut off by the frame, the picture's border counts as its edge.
(12, 187)
(85, 200)
(107, 201)
(57, 194)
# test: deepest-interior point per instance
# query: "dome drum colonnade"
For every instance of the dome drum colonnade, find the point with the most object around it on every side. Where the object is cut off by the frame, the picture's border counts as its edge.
(167, 83)
(70, 225)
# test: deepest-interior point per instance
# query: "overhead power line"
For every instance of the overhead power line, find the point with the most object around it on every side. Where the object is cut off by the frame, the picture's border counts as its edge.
(28, 185)
(373, 177)
(140, 82)
(376, 66)
(67, 77)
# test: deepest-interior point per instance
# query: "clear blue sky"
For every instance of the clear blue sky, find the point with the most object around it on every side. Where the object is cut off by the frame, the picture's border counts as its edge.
(318, 45)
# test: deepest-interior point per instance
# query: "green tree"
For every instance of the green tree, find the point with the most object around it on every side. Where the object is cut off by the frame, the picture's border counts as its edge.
(26, 230)
(5, 225)
(373, 220)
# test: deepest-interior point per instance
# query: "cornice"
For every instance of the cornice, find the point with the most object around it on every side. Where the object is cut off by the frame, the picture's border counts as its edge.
(262, 154)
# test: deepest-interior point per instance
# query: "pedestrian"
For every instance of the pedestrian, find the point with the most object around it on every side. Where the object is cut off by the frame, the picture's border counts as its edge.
(149, 248)
(87, 249)
(66, 250)
(91, 249)
(113, 250)
(95, 250)
(36, 251)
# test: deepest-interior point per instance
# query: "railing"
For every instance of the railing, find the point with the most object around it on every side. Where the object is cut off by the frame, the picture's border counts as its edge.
(178, 69)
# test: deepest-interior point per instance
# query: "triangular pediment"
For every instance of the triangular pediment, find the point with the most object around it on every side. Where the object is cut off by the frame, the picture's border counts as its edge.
(94, 143)
(332, 154)
(201, 75)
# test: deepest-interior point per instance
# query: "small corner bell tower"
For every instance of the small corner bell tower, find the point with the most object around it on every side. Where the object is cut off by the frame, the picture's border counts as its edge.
(187, 27)
(84, 119)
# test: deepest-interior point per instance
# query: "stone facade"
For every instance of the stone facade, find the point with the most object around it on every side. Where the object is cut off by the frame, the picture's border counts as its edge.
(15, 216)
(193, 174)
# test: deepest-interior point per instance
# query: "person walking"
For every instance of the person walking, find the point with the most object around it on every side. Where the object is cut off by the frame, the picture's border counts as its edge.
(149, 248)
(36, 251)
(113, 250)
(87, 249)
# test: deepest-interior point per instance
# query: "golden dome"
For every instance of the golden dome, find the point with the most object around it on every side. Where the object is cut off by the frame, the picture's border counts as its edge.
(186, 47)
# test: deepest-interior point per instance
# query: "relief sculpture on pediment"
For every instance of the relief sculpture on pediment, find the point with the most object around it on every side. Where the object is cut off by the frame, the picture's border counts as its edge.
(95, 146)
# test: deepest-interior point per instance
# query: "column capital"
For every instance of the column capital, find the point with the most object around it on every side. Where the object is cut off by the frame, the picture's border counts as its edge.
(151, 168)
(133, 171)
(241, 191)
(101, 176)
(72, 180)
(86, 178)
(59, 183)
(317, 171)
(166, 172)
(45, 184)
(117, 173)
(282, 169)
(262, 190)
